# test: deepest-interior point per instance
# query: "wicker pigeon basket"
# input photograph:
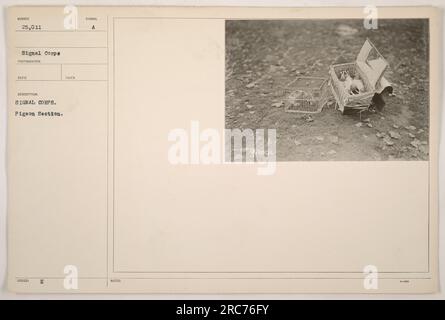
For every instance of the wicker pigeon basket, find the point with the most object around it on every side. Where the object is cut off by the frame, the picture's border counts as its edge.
(369, 67)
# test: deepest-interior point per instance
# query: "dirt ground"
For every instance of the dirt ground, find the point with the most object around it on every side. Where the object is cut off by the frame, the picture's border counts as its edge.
(263, 56)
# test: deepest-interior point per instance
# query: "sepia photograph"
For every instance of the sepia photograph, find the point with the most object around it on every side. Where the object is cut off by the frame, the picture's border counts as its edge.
(332, 89)
(272, 149)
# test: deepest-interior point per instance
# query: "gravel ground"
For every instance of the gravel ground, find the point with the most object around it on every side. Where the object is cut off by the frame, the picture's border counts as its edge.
(263, 56)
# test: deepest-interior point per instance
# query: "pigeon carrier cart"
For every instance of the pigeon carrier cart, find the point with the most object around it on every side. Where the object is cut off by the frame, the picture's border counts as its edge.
(369, 67)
